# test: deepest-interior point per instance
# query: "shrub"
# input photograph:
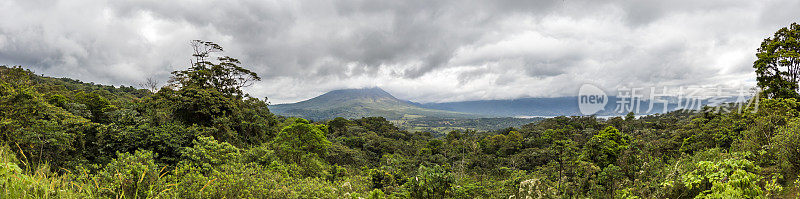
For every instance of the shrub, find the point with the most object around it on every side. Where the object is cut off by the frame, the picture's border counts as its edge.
(431, 182)
(728, 178)
(131, 175)
(208, 153)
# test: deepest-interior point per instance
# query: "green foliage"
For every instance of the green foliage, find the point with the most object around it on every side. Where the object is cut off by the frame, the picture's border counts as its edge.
(385, 180)
(712, 130)
(96, 104)
(204, 138)
(238, 121)
(777, 66)
(786, 147)
(608, 180)
(763, 125)
(43, 132)
(58, 100)
(192, 105)
(209, 94)
(225, 77)
(431, 182)
(728, 178)
(16, 182)
(129, 175)
(535, 188)
(207, 153)
(260, 155)
(605, 148)
(235, 180)
(338, 126)
(167, 140)
(302, 144)
(503, 145)
(299, 138)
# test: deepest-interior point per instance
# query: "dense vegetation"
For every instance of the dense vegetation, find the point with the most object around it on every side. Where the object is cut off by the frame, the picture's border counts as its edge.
(442, 126)
(201, 137)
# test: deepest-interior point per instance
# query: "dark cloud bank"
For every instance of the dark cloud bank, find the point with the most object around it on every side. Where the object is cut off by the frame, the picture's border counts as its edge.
(420, 50)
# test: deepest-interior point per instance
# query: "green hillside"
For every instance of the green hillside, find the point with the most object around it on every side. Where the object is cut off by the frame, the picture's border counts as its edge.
(357, 103)
(65, 139)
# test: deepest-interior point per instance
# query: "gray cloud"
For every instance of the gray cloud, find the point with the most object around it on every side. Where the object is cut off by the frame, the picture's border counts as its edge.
(418, 49)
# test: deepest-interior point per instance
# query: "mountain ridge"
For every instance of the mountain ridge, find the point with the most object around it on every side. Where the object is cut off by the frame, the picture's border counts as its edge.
(361, 102)
(374, 101)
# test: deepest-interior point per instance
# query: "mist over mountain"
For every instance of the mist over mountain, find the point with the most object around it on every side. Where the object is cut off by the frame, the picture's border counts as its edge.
(357, 103)
(513, 107)
(567, 106)
(368, 102)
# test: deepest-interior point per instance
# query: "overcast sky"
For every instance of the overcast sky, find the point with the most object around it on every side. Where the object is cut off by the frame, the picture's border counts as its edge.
(421, 50)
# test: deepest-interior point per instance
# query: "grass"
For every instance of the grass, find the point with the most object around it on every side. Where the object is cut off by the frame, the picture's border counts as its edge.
(34, 182)
(39, 181)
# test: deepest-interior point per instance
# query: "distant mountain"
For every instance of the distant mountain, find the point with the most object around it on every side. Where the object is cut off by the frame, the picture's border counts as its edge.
(357, 103)
(512, 108)
(545, 107)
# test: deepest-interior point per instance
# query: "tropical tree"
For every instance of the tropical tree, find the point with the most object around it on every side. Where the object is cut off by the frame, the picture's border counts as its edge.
(431, 182)
(301, 138)
(778, 64)
(728, 178)
(604, 148)
(787, 147)
(226, 76)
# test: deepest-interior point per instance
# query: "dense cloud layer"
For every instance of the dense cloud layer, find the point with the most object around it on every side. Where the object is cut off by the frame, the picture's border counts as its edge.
(419, 49)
